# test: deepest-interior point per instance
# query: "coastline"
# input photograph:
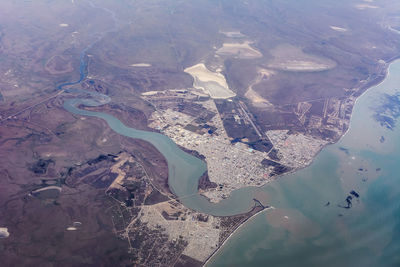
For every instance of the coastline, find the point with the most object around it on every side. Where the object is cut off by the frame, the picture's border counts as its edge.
(385, 70)
(234, 231)
(364, 89)
(370, 85)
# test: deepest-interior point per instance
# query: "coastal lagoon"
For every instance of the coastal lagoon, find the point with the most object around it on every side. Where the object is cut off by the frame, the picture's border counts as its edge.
(342, 210)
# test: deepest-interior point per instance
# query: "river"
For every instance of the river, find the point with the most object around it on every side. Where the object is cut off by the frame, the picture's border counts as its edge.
(306, 226)
(184, 170)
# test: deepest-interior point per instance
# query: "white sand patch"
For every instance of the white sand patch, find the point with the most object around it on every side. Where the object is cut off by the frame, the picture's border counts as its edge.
(291, 58)
(52, 187)
(75, 226)
(392, 29)
(256, 99)
(63, 25)
(302, 65)
(142, 65)
(251, 94)
(232, 34)
(339, 29)
(266, 73)
(365, 6)
(239, 50)
(201, 72)
(212, 83)
(4, 232)
(150, 93)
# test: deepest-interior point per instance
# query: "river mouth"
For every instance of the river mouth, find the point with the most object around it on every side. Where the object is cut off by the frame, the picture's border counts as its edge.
(342, 210)
(184, 170)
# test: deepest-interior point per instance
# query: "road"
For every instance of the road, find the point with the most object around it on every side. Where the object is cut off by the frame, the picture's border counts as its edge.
(32, 106)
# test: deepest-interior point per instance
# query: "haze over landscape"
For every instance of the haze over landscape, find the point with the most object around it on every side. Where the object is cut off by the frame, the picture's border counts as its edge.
(189, 133)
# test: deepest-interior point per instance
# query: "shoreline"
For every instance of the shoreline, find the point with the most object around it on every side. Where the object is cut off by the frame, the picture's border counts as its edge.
(233, 232)
(371, 84)
(366, 88)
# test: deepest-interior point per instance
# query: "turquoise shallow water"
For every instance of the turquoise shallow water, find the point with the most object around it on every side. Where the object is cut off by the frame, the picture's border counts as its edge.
(184, 170)
(303, 230)
(308, 225)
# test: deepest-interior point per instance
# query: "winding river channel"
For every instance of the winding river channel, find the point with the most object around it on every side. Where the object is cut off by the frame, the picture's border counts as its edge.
(184, 170)
(342, 209)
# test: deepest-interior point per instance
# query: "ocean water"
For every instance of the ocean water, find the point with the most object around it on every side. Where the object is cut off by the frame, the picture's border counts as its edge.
(311, 223)
(342, 210)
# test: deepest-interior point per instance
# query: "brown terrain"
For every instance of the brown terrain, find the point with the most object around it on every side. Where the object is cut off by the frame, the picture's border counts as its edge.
(75, 193)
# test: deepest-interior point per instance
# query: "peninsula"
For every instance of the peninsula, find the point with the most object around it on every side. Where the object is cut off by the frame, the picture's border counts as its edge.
(94, 96)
